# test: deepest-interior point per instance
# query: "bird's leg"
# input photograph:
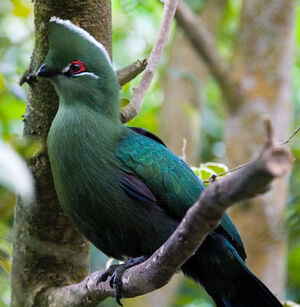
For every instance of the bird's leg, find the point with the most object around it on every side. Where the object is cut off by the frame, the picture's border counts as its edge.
(116, 272)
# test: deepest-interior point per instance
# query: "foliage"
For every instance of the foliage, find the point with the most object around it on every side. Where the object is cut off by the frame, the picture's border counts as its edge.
(210, 170)
(16, 29)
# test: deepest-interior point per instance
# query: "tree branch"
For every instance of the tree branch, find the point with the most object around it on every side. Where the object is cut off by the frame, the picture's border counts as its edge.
(204, 45)
(200, 219)
(268, 130)
(129, 72)
(133, 108)
(291, 136)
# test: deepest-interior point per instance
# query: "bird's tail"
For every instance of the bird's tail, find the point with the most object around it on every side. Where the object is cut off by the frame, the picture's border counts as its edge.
(224, 275)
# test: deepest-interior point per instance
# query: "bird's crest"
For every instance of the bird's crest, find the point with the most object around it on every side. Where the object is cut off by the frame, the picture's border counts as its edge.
(68, 25)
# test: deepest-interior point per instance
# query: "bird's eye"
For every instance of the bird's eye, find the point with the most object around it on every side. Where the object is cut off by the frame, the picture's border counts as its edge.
(77, 67)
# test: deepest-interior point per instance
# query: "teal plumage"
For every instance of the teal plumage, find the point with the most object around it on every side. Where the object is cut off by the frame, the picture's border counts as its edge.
(174, 183)
(121, 187)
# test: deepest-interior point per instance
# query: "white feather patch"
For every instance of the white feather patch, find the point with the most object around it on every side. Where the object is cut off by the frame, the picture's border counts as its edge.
(83, 33)
(86, 73)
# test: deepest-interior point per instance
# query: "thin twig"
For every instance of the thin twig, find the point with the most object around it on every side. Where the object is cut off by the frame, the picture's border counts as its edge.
(269, 138)
(183, 150)
(133, 108)
(291, 136)
(27, 77)
(215, 176)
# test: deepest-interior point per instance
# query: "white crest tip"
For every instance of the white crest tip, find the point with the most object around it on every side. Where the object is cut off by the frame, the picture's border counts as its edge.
(54, 19)
(71, 26)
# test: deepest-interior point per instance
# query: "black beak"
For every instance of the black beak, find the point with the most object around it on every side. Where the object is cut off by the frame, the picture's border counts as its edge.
(45, 72)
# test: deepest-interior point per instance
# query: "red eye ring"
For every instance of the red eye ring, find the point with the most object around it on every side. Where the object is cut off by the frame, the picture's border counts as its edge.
(76, 67)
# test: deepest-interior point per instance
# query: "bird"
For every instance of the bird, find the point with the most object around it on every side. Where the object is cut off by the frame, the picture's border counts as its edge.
(120, 186)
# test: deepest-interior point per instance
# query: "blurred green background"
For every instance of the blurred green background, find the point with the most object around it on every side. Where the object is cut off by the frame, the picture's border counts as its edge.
(135, 25)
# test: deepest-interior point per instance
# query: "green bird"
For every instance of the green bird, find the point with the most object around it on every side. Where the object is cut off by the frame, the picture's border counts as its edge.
(121, 187)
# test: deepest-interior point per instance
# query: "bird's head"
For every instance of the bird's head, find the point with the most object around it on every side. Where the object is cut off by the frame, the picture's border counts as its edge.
(79, 67)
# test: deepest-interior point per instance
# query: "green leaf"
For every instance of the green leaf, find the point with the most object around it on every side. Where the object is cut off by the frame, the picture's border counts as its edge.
(203, 173)
(21, 9)
(207, 170)
(218, 168)
(124, 102)
(206, 173)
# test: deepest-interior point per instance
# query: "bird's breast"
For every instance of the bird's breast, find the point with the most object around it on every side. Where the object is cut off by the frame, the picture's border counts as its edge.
(83, 162)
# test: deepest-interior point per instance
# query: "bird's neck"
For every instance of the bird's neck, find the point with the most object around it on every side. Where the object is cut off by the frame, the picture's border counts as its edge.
(105, 102)
(78, 127)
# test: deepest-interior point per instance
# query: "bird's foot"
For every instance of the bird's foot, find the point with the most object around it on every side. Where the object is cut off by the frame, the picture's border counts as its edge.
(115, 272)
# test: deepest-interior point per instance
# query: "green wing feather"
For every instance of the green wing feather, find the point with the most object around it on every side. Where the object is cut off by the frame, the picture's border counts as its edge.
(171, 180)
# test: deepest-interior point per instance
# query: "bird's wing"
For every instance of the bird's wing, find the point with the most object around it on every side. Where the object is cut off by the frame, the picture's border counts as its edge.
(148, 134)
(228, 229)
(174, 186)
(172, 182)
(136, 187)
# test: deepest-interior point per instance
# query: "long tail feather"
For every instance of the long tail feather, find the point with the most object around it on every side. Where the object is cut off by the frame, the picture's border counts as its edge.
(220, 270)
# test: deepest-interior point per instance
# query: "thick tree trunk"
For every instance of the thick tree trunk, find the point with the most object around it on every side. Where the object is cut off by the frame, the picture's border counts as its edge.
(48, 251)
(262, 65)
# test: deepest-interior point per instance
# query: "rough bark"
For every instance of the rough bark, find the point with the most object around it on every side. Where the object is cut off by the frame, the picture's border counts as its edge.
(263, 65)
(48, 251)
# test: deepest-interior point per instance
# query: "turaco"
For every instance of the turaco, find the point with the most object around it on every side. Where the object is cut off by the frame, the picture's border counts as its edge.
(121, 187)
